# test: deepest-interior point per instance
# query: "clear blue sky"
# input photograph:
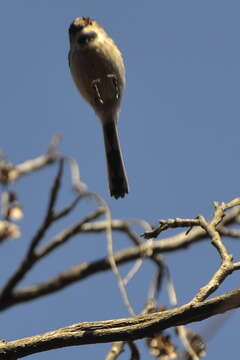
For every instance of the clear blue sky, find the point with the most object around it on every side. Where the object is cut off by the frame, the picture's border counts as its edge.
(179, 129)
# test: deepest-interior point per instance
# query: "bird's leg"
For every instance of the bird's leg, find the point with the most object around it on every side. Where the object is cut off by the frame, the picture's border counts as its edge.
(98, 98)
(115, 83)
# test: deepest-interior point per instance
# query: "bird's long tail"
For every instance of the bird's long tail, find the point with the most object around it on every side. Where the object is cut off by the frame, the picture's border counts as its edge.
(117, 178)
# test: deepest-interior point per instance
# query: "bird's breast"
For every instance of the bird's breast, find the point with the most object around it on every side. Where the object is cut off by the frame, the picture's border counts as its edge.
(98, 76)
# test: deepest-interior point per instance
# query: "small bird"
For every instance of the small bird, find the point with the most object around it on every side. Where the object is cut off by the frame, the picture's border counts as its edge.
(97, 68)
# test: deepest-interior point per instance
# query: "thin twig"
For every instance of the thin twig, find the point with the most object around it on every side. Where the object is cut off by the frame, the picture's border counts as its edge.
(166, 224)
(30, 257)
(48, 220)
(82, 271)
(68, 209)
(135, 355)
(9, 173)
(81, 189)
(116, 349)
(227, 266)
(112, 261)
(182, 332)
(132, 272)
(68, 233)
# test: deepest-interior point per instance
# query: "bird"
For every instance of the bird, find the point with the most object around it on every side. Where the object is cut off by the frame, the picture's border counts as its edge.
(98, 70)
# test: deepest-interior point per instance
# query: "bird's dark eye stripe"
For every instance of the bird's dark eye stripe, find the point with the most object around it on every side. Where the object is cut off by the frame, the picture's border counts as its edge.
(85, 38)
(73, 29)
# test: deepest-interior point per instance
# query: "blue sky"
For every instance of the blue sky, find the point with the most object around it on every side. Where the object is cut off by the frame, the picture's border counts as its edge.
(179, 130)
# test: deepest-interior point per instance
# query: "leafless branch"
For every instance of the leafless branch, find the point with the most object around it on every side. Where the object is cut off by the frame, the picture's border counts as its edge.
(116, 350)
(9, 173)
(227, 266)
(166, 224)
(135, 355)
(67, 233)
(33, 255)
(30, 257)
(84, 270)
(121, 329)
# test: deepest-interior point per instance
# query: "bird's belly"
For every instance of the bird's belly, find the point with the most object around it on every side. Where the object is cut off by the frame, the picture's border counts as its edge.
(96, 79)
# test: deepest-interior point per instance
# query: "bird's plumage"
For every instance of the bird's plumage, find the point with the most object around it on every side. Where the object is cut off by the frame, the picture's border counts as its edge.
(98, 70)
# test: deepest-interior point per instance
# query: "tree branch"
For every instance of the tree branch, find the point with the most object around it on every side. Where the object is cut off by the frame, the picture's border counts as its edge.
(121, 329)
(10, 174)
(84, 270)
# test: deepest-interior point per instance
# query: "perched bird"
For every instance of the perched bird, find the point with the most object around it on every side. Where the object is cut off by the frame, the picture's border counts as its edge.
(97, 67)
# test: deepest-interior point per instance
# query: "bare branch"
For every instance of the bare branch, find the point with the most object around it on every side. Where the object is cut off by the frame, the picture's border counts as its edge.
(68, 209)
(84, 270)
(227, 266)
(135, 355)
(68, 233)
(48, 220)
(9, 173)
(232, 233)
(111, 257)
(179, 222)
(7, 295)
(116, 349)
(182, 333)
(166, 224)
(30, 257)
(121, 329)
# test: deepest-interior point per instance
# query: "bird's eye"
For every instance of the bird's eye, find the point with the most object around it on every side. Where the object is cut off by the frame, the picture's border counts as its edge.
(73, 29)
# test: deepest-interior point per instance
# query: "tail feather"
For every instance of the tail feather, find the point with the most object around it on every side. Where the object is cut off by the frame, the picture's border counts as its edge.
(117, 178)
